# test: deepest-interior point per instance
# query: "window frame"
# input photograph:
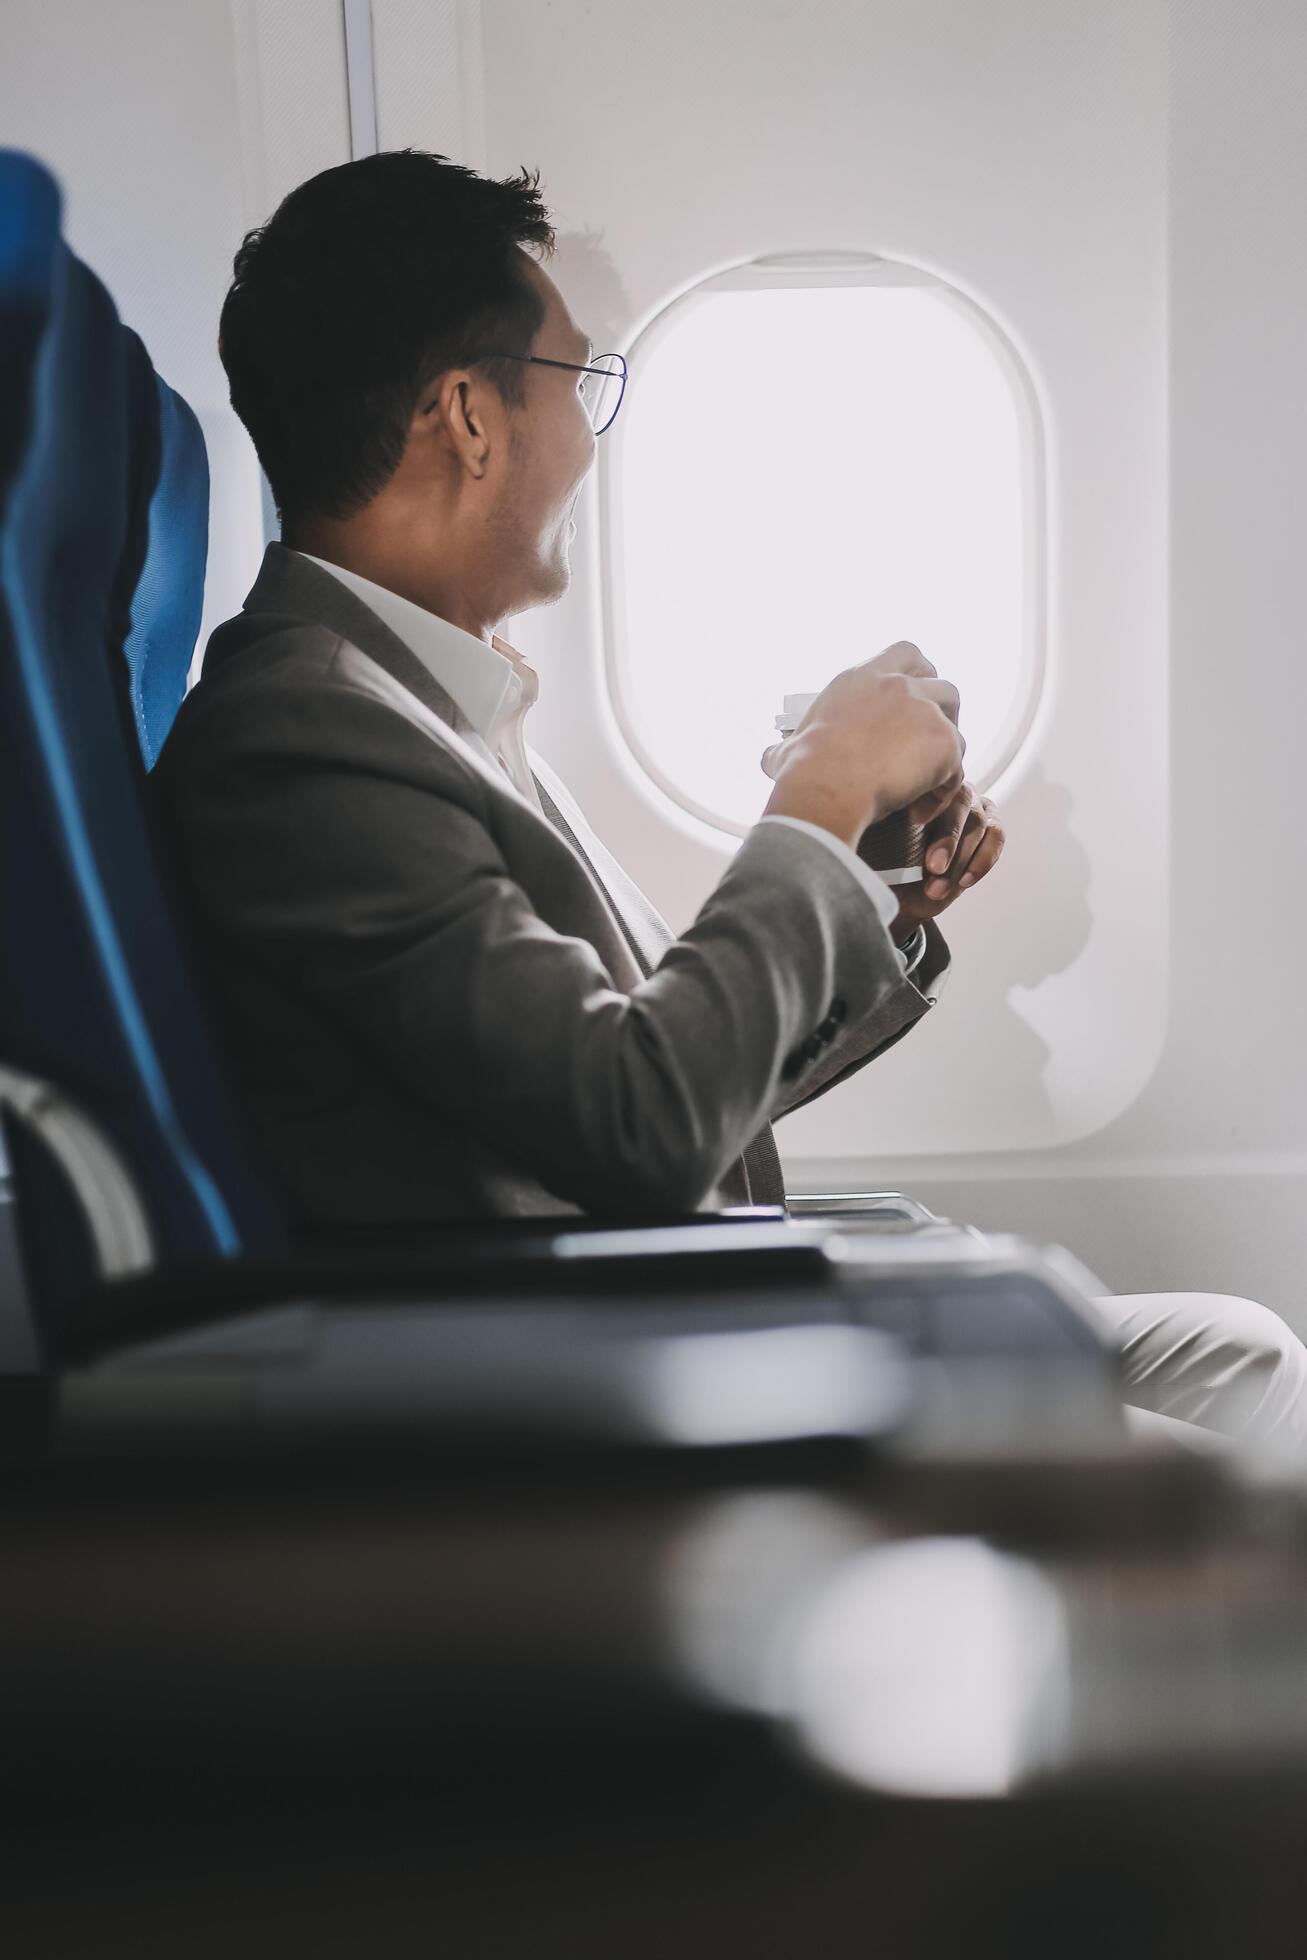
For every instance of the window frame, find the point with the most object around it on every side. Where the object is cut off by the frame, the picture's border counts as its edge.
(843, 269)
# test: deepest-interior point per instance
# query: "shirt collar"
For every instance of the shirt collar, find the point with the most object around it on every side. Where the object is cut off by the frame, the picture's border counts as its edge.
(493, 685)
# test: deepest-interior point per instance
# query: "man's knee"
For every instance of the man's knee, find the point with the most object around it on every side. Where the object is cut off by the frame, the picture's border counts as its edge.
(1270, 1344)
(1213, 1358)
(1274, 1363)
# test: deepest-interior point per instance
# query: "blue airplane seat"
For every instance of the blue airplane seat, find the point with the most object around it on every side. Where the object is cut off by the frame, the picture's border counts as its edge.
(103, 527)
(162, 570)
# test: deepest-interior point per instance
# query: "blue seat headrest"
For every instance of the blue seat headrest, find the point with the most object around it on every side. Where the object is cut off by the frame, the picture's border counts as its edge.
(103, 527)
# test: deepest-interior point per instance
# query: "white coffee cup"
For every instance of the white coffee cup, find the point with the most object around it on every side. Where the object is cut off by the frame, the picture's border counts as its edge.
(894, 848)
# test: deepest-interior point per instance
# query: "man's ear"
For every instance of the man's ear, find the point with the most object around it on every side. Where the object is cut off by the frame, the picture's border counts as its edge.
(455, 416)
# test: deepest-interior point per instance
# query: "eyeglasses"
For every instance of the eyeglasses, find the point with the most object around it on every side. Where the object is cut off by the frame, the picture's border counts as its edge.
(602, 401)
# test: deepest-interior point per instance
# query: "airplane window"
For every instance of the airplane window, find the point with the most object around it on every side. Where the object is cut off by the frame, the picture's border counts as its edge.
(817, 457)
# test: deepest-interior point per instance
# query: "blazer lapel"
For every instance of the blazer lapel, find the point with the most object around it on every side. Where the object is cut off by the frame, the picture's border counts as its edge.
(291, 584)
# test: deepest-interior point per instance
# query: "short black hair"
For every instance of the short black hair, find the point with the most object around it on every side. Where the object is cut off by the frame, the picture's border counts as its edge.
(367, 283)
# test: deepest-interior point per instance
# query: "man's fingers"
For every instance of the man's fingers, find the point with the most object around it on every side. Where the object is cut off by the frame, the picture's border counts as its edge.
(947, 831)
(958, 849)
(986, 825)
(928, 807)
(975, 851)
(903, 658)
(945, 696)
(987, 852)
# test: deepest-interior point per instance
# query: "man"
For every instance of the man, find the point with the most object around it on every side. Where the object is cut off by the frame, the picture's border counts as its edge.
(442, 997)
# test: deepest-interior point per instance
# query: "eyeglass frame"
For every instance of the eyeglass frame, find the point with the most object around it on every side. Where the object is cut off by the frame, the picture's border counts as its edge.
(578, 367)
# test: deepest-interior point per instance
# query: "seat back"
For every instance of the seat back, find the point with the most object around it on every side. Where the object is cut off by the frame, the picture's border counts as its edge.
(103, 526)
(161, 586)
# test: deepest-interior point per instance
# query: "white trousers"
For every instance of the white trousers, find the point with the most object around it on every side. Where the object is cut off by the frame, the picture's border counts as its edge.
(1212, 1359)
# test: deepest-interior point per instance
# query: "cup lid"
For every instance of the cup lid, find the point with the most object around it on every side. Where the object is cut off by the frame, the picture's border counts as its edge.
(796, 707)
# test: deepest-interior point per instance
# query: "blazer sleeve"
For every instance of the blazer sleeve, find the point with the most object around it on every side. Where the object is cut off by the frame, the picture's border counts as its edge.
(884, 1025)
(353, 857)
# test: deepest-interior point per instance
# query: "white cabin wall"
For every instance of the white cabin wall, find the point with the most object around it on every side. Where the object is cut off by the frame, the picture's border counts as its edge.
(1202, 1183)
(173, 129)
(430, 89)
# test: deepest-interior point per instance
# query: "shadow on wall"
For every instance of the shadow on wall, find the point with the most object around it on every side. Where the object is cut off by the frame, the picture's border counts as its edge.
(584, 273)
(1028, 922)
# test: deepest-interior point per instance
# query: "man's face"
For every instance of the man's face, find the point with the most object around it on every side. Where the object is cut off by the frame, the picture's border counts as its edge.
(552, 450)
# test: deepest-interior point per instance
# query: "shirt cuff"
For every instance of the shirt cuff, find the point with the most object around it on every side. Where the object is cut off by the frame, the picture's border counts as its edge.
(880, 894)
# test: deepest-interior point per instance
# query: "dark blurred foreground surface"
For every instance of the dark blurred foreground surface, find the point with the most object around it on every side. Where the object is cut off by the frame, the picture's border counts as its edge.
(819, 1694)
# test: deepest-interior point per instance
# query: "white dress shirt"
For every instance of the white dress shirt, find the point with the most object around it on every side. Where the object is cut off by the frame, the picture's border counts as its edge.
(494, 687)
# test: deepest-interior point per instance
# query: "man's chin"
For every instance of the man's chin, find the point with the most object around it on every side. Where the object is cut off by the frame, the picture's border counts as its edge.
(556, 576)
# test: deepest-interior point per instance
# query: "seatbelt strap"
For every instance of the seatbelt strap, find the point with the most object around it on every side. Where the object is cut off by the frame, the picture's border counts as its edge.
(762, 1164)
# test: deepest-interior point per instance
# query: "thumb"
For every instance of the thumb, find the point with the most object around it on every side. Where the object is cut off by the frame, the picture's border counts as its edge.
(926, 808)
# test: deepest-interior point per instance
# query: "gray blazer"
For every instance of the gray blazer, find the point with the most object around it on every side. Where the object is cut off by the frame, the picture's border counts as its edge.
(439, 1004)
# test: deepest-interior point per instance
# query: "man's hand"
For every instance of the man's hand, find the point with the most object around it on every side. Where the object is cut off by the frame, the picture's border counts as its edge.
(882, 736)
(963, 844)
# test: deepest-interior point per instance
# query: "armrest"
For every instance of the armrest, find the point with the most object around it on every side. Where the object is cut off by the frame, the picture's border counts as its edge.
(433, 1265)
(872, 1207)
